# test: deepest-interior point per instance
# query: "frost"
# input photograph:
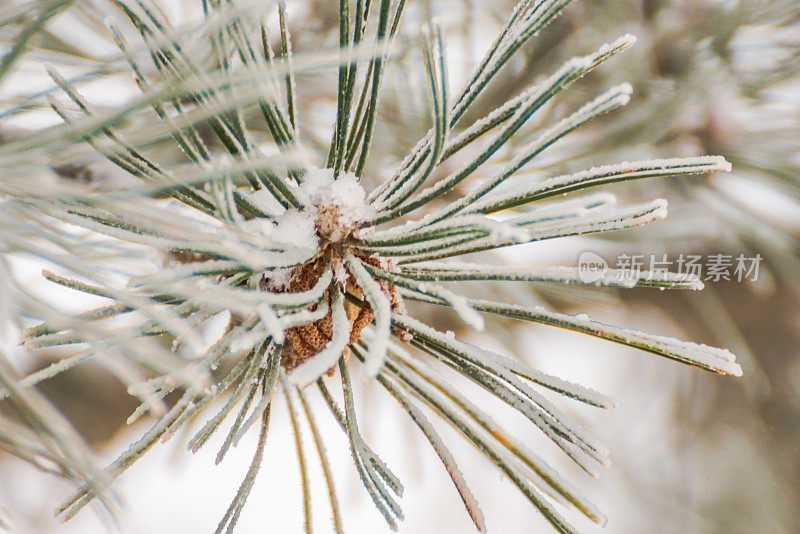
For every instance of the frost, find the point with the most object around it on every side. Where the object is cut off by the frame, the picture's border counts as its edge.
(626, 170)
(332, 209)
(602, 221)
(339, 204)
(455, 271)
(278, 279)
(621, 43)
(296, 228)
(266, 202)
(258, 226)
(340, 273)
(313, 368)
(617, 96)
(378, 346)
(698, 354)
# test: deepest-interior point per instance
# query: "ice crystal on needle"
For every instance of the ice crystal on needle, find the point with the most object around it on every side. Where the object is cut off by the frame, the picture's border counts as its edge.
(313, 270)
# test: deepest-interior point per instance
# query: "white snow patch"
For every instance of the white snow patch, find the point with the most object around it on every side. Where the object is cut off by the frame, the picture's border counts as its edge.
(340, 203)
(331, 208)
(296, 228)
(258, 226)
(266, 202)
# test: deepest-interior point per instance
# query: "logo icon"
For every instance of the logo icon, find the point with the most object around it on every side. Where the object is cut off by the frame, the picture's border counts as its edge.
(591, 267)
